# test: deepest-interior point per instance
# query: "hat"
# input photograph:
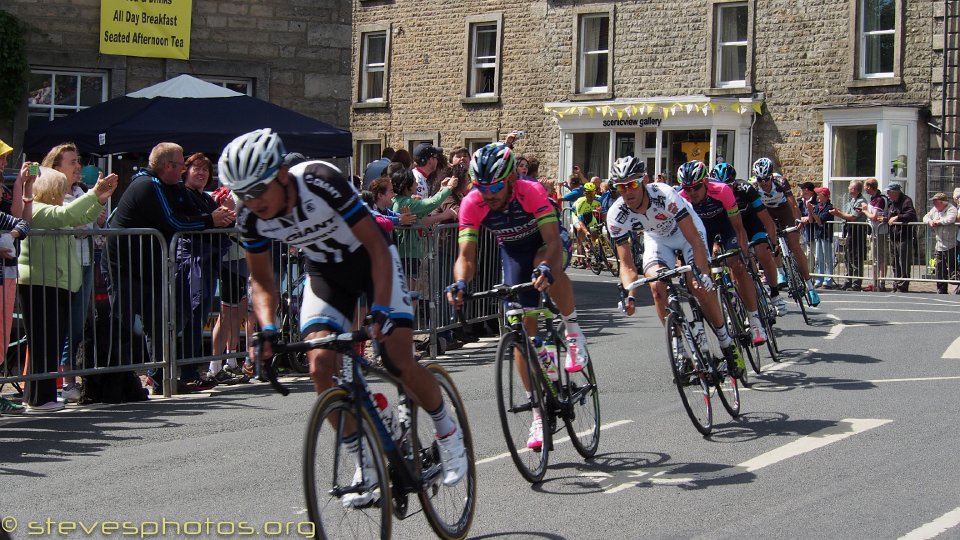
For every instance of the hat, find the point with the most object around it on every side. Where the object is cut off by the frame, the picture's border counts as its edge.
(823, 190)
(425, 151)
(895, 187)
(5, 148)
(940, 197)
(806, 185)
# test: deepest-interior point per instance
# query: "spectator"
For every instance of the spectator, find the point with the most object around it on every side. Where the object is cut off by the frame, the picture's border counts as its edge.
(459, 155)
(533, 168)
(225, 334)
(410, 242)
(853, 236)
(427, 157)
(808, 199)
(402, 157)
(822, 234)
(154, 199)
(66, 159)
(198, 271)
(877, 210)
(383, 194)
(18, 204)
(902, 212)
(942, 219)
(550, 186)
(575, 183)
(376, 167)
(49, 273)
(523, 169)
(661, 179)
(450, 207)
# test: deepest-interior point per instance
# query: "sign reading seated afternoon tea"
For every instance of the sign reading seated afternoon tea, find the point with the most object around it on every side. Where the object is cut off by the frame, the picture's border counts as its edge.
(153, 28)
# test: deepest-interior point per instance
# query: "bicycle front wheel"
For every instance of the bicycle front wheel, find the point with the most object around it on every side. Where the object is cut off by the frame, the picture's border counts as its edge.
(331, 476)
(448, 509)
(691, 382)
(517, 408)
(581, 395)
(597, 261)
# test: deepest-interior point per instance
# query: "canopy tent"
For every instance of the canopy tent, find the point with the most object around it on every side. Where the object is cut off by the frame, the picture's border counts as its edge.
(197, 115)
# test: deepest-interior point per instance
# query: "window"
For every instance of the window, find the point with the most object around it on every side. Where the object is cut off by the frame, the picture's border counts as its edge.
(877, 38)
(483, 60)
(244, 86)
(373, 66)
(475, 144)
(54, 94)
(594, 53)
(732, 44)
(854, 151)
(367, 151)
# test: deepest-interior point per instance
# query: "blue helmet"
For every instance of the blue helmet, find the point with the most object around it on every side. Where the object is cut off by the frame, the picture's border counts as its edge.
(492, 164)
(724, 172)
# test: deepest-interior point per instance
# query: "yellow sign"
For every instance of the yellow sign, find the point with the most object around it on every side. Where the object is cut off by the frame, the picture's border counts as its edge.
(153, 28)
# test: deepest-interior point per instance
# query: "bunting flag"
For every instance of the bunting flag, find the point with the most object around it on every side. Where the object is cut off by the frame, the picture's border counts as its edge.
(618, 111)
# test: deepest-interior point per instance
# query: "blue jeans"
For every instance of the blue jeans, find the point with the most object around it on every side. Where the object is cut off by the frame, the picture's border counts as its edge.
(79, 309)
(824, 260)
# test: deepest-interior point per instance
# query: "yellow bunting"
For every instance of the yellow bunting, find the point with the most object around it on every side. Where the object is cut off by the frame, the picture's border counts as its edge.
(756, 107)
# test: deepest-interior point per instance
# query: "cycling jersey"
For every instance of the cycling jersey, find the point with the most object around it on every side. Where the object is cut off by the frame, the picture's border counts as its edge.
(583, 209)
(516, 227)
(750, 205)
(778, 194)
(660, 224)
(715, 210)
(339, 271)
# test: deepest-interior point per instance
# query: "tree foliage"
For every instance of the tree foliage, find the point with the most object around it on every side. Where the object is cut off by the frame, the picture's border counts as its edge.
(13, 65)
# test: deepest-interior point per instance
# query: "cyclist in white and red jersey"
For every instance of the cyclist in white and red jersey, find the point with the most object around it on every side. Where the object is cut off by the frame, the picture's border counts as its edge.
(777, 196)
(716, 205)
(527, 228)
(314, 207)
(669, 224)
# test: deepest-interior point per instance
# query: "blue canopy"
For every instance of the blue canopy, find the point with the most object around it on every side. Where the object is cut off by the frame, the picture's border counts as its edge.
(197, 117)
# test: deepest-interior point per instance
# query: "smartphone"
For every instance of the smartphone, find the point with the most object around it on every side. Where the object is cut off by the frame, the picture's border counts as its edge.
(34, 169)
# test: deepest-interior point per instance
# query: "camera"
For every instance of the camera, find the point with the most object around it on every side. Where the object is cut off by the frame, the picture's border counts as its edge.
(34, 169)
(521, 134)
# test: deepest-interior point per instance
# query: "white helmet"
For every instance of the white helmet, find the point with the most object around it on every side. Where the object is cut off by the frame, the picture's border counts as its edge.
(251, 160)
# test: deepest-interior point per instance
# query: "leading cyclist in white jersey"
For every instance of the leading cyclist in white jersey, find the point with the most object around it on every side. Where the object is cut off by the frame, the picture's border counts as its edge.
(312, 206)
(669, 224)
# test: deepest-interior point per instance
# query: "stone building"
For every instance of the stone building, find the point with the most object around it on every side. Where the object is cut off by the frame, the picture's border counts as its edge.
(292, 53)
(830, 90)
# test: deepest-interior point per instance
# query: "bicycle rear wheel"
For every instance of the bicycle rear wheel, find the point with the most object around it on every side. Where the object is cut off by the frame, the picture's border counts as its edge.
(582, 396)
(448, 509)
(737, 321)
(597, 260)
(728, 388)
(691, 382)
(517, 409)
(797, 287)
(326, 460)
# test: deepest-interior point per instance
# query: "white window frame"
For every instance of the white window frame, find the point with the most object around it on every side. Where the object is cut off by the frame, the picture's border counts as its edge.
(478, 63)
(721, 10)
(864, 37)
(364, 154)
(886, 119)
(52, 109)
(367, 66)
(226, 82)
(583, 54)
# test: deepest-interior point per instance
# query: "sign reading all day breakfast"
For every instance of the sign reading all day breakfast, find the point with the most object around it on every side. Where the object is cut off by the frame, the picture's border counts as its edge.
(153, 28)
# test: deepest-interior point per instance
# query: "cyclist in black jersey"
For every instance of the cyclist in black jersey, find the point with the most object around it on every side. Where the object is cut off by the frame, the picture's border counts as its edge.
(314, 207)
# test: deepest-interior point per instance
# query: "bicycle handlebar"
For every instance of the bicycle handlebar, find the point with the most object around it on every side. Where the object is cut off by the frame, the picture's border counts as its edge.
(715, 261)
(499, 291)
(662, 275)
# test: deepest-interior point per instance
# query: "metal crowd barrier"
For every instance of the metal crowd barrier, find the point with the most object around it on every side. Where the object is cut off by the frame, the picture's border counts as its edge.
(906, 253)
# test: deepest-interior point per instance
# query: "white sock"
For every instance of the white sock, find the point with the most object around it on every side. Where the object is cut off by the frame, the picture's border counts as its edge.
(232, 362)
(571, 322)
(724, 337)
(216, 366)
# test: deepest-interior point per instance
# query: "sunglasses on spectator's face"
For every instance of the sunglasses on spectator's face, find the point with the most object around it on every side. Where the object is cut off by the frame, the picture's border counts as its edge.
(491, 188)
(632, 184)
(692, 188)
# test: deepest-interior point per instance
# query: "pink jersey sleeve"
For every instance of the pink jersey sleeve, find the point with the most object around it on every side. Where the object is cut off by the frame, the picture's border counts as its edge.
(725, 195)
(472, 211)
(533, 198)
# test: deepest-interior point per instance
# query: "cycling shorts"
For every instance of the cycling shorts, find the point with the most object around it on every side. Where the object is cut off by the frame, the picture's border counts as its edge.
(518, 266)
(660, 251)
(332, 292)
(782, 216)
(753, 225)
(233, 282)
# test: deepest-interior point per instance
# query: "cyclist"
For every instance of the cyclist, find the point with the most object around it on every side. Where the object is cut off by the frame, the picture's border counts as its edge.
(669, 224)
(759, 225)
(583, 209)
(782, 206)
(314, 207)
(528, 232)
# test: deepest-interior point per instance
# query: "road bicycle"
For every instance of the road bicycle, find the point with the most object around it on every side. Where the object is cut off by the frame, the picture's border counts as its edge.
(765, 309)
(574, 398)
(601, 251)
(796, 286)
(734, 311)
(405, 455)
(698, 372)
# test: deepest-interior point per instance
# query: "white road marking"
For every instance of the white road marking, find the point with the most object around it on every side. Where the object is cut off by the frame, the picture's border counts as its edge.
(897, 310)
(899, 303)
(913, 379)
(953, 351)
(603, 427)
(781, 365)
(835, 329)
(845, 428)
(936, 527)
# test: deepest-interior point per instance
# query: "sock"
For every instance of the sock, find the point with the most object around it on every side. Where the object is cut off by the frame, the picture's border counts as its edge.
(215, 366)
(442, 422)
(810, 284)
(352, 444)
(571, 322)
(232, 362)
(754, 317)
(724, 337)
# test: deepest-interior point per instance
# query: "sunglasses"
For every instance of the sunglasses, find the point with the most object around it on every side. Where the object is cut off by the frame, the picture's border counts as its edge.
(764, 179)
(254, 192)
(632, 184)
(694, 187)
(491, 188)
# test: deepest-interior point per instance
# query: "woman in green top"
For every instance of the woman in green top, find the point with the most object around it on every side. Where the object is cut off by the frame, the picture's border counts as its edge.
(49, 272)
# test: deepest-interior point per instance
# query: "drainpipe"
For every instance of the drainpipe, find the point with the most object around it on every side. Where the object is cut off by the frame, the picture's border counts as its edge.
(943, 85)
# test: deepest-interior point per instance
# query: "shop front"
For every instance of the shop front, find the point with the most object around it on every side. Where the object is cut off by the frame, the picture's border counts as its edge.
(664, 132)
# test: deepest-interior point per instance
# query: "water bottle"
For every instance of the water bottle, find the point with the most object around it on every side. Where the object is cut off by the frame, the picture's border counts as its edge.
(552, 372)
(387, 415)
(549, 365)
